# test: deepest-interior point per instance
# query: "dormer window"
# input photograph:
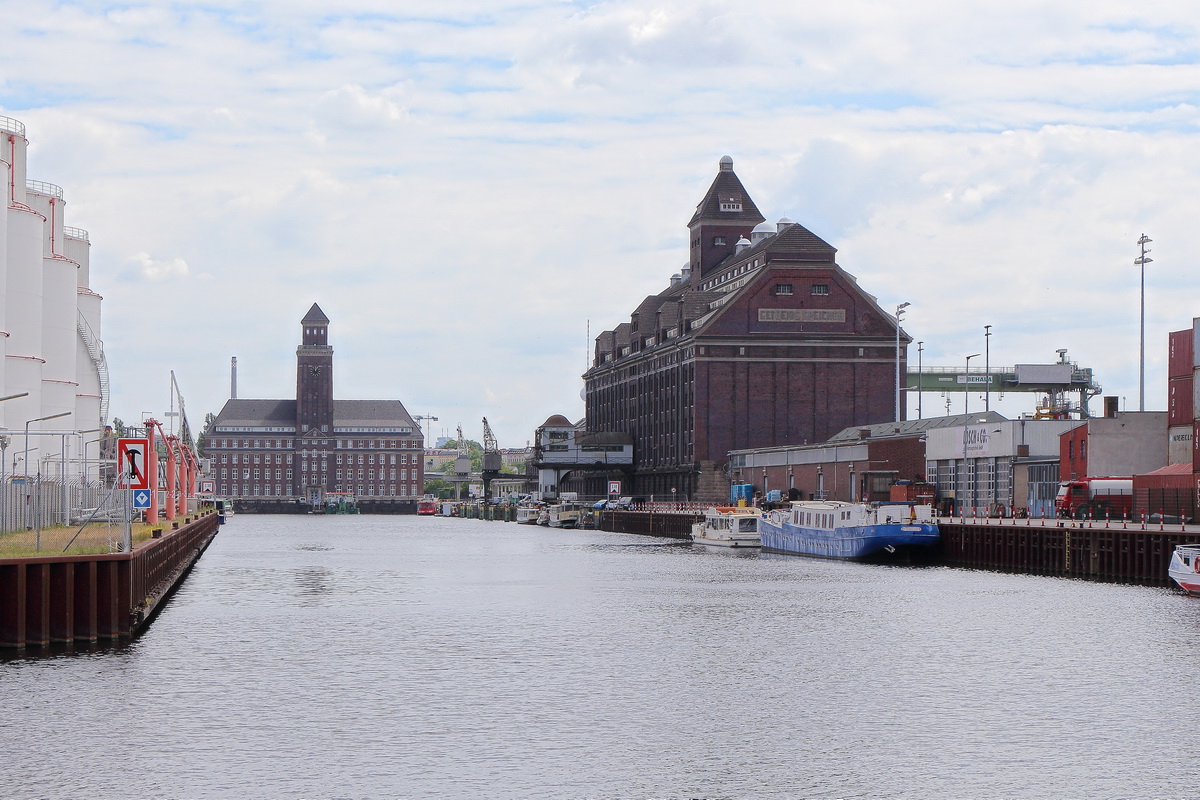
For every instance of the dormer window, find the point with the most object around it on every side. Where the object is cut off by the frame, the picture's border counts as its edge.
(718, 241)
(731, 204)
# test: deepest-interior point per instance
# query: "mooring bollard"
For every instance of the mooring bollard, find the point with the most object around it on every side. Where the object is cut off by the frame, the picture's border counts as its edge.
(1161, 520)
(1182, 526)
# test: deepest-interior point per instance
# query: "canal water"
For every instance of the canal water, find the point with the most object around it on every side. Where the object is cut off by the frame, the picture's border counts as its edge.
(385, 657)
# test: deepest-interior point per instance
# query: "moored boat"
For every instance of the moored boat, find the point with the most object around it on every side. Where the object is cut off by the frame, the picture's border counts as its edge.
(564, 515)
(726, 526)
(835, 529)
(1185, 567)
(528, 515)
(427, 506)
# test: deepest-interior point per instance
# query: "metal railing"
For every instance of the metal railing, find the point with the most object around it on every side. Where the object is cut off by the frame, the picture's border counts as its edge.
(76, 233)
(12, 125)
(41, 187)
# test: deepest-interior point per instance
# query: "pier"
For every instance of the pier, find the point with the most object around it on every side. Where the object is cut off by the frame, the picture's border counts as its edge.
(1103, 550)
(87, 598)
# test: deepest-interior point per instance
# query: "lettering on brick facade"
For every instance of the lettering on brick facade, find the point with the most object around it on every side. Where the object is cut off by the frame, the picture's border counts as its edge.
(802, 315)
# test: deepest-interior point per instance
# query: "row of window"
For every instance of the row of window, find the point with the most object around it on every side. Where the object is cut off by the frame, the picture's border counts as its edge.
(286, 458)
(818, 289)
(280, 474)
(341, 444)
(285, 490)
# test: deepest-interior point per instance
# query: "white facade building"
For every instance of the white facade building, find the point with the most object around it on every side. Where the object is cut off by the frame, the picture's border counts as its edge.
(49, 327)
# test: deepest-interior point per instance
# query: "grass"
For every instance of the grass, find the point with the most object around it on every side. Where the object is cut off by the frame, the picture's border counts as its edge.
(94, 539)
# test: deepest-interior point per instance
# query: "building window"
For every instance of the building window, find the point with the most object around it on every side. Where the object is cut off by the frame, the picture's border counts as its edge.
(784, 289)
(718, 241)
(820, 289)
(245, 477)
(731, 204)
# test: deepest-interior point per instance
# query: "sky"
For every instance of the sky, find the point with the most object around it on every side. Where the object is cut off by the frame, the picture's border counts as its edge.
(470, 189)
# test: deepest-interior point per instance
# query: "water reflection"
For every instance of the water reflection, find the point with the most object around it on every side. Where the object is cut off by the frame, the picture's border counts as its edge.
(380, 657)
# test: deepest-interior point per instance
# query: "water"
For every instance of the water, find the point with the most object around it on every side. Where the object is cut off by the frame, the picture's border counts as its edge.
(426, 657)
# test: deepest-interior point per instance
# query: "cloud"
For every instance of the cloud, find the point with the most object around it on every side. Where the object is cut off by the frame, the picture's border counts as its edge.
(159, 269)
(474, 184)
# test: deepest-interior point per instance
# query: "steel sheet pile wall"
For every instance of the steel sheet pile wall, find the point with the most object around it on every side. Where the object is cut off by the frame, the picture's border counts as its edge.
(649, 523)
(1098, 553)
(56, 599)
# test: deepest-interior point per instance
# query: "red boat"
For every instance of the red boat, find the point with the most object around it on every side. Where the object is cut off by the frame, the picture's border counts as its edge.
(427, 506)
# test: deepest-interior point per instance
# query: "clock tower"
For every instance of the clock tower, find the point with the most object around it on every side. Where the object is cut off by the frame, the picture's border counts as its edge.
(314, 375)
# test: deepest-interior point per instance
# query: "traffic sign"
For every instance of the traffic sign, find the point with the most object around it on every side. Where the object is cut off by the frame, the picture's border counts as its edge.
(208, 487)
(614, 487)
(131, 458)
(141, 498)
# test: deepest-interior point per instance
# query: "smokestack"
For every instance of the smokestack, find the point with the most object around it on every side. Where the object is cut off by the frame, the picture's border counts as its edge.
(233, 378)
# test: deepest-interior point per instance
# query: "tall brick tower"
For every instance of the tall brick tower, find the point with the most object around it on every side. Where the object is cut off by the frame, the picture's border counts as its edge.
(724, 216)
(314, 375)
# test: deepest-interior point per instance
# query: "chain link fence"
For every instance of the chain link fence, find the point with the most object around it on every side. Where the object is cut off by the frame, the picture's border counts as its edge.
(43, 516)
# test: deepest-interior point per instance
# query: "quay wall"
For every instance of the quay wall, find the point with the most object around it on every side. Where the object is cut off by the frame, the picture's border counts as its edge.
(1095, 551)
(379, 505)
(86, 598)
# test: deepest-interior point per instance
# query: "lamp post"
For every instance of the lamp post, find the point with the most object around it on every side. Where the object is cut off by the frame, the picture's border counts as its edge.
(967, 393)
(39, 419)
(920, 374)
(899, 313)
(1141, 261)
(987, 368)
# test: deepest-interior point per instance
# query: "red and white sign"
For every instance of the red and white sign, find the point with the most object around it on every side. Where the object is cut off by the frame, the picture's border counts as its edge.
(614, 487)
(208, 487)
(131, 461)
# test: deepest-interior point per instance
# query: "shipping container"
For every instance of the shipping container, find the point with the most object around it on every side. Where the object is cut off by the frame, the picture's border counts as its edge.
(1180, 362)
(1180, 402)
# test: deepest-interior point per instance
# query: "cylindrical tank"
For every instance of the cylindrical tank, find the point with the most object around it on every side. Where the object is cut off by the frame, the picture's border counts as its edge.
(88, 359)
(58, 314)
(23, 319)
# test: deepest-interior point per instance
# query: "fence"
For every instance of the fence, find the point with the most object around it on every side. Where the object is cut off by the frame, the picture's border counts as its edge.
(48, 516)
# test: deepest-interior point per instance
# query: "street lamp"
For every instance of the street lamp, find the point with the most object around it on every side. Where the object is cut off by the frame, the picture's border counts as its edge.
(967, 393)
(920, 375)
(899, 313)
(987, 368)
(1142, 261)
(39, 419)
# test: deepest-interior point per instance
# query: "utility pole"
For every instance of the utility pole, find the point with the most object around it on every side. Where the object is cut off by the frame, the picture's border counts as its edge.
(1141, 261)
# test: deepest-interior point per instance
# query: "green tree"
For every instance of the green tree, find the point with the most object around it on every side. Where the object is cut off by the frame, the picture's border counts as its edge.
(210, 419)
(474, 450)
(118, 426)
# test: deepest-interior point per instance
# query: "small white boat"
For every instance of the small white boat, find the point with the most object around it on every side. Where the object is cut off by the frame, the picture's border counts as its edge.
(1185, 567)
(564, 515)
(528, 515)
(726, 526)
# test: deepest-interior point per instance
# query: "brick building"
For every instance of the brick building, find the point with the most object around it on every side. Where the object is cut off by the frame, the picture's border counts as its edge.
(269, 453)
(761, 341)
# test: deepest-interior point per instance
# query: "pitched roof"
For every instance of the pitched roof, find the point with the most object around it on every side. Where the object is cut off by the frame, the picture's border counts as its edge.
(913, 427)
(367, 412)
(251, 413)
(726, 187)
(282, 413)
(315, 315)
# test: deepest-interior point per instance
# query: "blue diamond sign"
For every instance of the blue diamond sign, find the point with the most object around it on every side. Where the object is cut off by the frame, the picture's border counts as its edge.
(141, 498)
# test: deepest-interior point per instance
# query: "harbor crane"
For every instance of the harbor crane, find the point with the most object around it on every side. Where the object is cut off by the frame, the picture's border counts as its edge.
(491, 460)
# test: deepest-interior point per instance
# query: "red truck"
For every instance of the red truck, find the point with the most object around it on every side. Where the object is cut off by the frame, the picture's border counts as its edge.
(1095, 498)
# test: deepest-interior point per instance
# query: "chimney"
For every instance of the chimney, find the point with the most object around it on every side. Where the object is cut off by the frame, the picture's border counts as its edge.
(1111, 406)
(233, 379)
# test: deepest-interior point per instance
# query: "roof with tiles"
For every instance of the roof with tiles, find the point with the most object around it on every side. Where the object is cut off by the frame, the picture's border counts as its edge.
(726, 188)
